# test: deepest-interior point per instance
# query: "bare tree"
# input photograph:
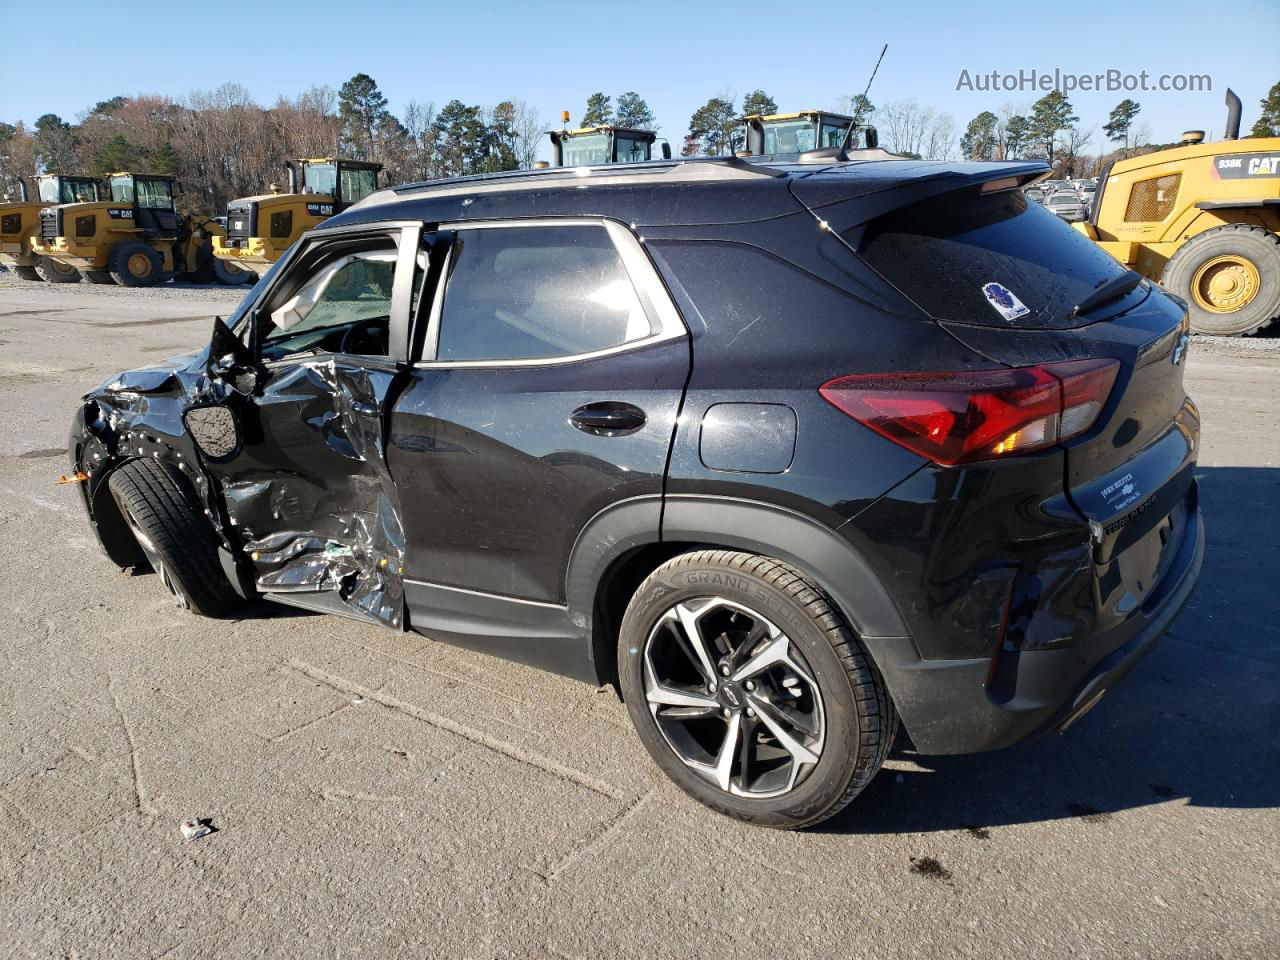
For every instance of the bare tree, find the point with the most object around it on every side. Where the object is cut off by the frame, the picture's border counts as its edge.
(908, 128)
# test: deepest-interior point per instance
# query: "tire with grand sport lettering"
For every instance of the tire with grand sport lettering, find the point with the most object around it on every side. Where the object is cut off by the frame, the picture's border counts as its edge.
(750, 691)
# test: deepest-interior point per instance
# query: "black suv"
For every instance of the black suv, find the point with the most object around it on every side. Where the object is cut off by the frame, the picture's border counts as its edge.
(785, 451)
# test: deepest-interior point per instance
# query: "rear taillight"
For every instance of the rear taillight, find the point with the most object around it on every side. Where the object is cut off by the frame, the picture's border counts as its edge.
(978, 414)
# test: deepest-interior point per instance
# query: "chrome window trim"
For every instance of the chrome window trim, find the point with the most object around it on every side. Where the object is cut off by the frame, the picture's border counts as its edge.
(664, 318)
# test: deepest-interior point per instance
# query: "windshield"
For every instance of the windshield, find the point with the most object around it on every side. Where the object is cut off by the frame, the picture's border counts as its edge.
(794, 136)
(588, 149)
(320, 178)
(67, 190)
(994, 260)
(631, 150)
(357, 184)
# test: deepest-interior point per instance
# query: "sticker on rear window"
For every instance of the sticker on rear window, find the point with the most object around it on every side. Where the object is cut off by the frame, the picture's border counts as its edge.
(1006, 304)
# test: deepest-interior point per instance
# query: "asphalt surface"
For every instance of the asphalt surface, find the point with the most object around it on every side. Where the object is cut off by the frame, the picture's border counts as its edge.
(380, 795)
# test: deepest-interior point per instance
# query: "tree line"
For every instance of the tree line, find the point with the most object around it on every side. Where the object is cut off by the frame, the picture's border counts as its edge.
(224, 145)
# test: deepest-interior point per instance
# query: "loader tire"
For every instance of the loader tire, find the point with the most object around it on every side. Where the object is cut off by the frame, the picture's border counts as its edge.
(54, 271)
(1230, 278)
(135, 264)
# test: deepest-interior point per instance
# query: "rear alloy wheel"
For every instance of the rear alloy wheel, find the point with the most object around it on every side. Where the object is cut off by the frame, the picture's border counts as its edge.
(1230, 278)
(749, 690)
(54, 271)
(136, 264)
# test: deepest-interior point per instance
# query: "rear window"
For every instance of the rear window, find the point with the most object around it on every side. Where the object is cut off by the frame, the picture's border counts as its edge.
(992, 260)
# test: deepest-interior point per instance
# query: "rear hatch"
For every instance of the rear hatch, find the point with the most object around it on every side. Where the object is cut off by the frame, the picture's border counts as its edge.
(1017, 285)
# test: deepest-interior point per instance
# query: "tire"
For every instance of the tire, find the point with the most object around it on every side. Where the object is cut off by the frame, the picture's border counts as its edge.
(231, 274)
(754, 610)
(99, 276)
(162, 511)
(52, 271)
(27, 273)
(135, 264)
(1250, 259)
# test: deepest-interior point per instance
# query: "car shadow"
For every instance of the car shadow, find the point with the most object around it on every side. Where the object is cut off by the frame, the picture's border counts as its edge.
(1194, 722)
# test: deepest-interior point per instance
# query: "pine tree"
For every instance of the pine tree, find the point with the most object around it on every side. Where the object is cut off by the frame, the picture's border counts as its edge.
(713, 125)
(361, 111)
(759, 102)
(634, 113)
(979, 140)
(1120, 122)
(599, 111)
(1268, 125)
(1050, 115)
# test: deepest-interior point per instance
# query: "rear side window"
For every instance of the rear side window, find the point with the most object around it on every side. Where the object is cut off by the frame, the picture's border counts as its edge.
(993, 260)
(524, 293)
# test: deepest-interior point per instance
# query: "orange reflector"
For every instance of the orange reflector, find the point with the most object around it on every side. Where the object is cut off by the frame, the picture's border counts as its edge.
(78, 477)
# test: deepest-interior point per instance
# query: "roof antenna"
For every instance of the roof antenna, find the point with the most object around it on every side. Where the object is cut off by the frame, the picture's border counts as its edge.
(848, 134)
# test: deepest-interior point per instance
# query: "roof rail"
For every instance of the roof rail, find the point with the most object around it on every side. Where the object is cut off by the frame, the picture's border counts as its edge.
(652, 171)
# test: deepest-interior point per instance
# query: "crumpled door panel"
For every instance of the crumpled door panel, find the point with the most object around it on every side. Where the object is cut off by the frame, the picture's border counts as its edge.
(310, 494)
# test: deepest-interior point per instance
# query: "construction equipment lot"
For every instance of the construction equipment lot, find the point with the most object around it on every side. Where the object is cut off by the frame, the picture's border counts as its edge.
(378, 794)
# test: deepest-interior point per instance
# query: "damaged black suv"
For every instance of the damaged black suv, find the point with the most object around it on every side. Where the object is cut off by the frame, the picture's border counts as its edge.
(788, 452)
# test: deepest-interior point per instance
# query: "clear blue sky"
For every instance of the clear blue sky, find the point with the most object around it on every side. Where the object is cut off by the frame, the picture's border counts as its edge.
(675, 54)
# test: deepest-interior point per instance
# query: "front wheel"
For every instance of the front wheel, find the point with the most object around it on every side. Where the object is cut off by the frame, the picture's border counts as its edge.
(165, 517)
(54, 271)
(231, 274)
(136, 264)
(749, 690)
(27, 273)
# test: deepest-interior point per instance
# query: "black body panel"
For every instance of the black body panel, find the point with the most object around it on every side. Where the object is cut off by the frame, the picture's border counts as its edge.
(502, 501)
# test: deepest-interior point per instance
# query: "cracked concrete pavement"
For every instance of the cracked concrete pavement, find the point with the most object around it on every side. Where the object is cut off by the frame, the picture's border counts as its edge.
(382, 795)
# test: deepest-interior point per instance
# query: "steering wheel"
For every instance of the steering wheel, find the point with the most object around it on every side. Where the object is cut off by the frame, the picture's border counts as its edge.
(367, 337)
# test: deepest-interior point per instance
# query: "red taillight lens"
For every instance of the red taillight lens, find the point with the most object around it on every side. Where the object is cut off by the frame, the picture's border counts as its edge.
(978, 414)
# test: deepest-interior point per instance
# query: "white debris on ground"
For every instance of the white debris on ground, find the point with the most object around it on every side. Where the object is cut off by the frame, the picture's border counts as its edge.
(194, 829)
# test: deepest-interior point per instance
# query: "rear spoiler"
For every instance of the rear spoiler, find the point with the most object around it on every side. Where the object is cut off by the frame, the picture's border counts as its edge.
(870, 190)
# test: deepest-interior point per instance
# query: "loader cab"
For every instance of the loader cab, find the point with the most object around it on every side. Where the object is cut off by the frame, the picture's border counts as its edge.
(346, 181)
(151, 197)
(591, 146)
(791, 133)
(55, 188)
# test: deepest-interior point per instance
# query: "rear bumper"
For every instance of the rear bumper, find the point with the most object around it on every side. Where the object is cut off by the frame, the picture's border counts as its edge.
(946, 704)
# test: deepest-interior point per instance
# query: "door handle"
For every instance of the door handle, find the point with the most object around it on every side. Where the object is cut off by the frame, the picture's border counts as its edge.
(608, 418)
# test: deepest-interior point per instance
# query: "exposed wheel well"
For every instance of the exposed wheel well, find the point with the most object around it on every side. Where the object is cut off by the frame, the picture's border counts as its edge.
(113, 530)
(615, 591)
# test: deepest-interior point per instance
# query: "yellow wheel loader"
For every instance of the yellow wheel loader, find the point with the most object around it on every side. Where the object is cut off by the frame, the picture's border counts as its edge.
(20, 225)
(591, 146)
(1203, 221)
(786, 133)
(135, 237)
(260, 229)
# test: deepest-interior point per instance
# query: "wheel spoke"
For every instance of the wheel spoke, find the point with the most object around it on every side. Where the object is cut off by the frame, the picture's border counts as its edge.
(776, 652)
(758, 631)
(728, 751)
(692, 636)
(670, 697)
(770, 716)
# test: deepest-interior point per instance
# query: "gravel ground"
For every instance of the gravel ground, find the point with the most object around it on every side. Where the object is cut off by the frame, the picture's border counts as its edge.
(382, 795)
